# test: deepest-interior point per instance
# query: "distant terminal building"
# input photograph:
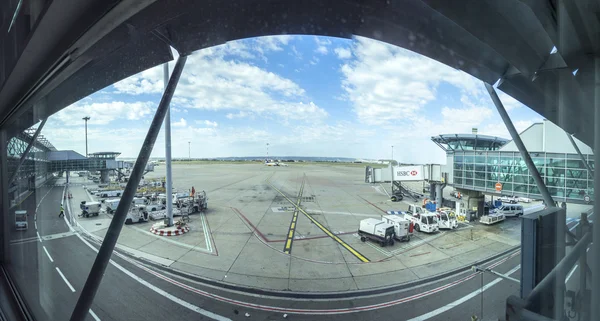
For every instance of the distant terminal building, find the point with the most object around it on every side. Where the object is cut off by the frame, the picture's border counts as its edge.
(477, 163)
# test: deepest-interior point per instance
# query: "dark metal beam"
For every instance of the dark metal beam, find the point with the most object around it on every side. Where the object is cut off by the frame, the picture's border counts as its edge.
(567, 262)
(26, 152)
(587, 165)
(102, 259)
(524, 153)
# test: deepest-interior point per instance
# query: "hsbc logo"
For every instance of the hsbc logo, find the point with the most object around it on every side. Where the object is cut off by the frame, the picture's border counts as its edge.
(406, 173)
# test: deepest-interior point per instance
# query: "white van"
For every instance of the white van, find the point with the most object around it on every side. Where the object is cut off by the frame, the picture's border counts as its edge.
(510, 210)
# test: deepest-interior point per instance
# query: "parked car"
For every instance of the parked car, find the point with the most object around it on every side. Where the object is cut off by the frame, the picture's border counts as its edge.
(509, 199)
(525, 199)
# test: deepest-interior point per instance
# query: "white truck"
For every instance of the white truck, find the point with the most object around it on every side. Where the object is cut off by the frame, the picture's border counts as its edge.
(492, 218)
(376, 230)
(21, 220)
(402, 226)
(423, 220)
(111, 205)
(106, 194)
(90, 208)
(137, 214)
(447, 219)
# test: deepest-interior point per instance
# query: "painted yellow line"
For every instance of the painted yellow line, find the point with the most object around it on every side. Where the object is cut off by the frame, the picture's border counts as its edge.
(324, 229)
(292, 228)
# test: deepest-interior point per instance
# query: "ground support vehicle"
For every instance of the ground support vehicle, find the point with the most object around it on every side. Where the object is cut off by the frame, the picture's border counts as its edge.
(447, 219)
(376, 230)
(403, 228)
(21, 220)
(90, 208)
(492, 219)
(137, 214)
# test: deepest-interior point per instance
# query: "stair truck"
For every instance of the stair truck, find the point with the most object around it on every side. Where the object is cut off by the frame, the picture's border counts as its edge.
(403, 228)
(90, 208)
(424, 220)
(447, 219)
(21, 220)
(137, 214)
(376, 230)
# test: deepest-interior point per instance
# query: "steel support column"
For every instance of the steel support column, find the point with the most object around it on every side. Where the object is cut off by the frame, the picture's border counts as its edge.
(595, 255)
(587, 165)
(94, 278)
(522, 150)
(169, 183)
(26, 152)
(4, 201)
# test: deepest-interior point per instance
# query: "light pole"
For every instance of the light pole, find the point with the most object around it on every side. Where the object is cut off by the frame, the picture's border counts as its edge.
(189, 151)
(392, 169)
(86, 118)
(267, 152)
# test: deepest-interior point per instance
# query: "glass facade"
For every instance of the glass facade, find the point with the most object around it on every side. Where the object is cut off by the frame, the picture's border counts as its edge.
(565, 174)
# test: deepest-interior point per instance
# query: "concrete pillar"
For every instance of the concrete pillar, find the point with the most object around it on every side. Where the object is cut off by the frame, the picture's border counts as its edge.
(438, 195)
(67, 176)
(432, 191)
(104, 177)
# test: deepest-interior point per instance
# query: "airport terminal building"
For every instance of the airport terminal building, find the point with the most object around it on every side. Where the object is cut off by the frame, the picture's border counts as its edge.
(478, 162)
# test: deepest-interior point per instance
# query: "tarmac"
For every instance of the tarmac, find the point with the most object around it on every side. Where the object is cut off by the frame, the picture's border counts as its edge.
(294, 229)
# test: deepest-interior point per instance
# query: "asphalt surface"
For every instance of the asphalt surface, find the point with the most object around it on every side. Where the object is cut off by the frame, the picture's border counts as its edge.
(134, 291)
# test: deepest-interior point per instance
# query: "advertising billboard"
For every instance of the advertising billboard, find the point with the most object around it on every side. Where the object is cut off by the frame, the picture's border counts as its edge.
(408, 173)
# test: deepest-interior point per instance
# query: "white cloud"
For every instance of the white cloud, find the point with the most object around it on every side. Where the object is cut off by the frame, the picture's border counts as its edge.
(343, 53)
(322, 44)
(181, 123)
(322, 50)
(386, 83)
(211, 82)
(314, 61)
(241, 114)
(103, 113)
(272, 43)
(207, 123)
(295, 53)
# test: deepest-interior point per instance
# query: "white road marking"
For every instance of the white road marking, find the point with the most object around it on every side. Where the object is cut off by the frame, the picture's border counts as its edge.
(573, 270)
(159, 290)
(35, 223)
(38, 236)
(94, 315)
(206, 232)
(462, 300)
(65, 279)
(313, 211)
(45, 250)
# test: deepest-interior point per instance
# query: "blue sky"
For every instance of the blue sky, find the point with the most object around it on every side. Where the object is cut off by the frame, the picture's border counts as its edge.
(304, 95)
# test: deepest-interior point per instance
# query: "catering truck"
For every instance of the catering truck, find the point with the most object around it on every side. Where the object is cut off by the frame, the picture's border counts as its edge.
(90, 208)
(21, 220)
(111, 205)
(403, 228)
(376, 230)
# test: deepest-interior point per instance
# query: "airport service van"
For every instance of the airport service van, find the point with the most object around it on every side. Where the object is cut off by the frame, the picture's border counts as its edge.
(403, 228)
(376, 230)
(510, 210)
(21, 220)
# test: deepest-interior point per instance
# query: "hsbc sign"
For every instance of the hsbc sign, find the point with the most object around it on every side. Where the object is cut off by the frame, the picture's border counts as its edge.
(408, 173)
